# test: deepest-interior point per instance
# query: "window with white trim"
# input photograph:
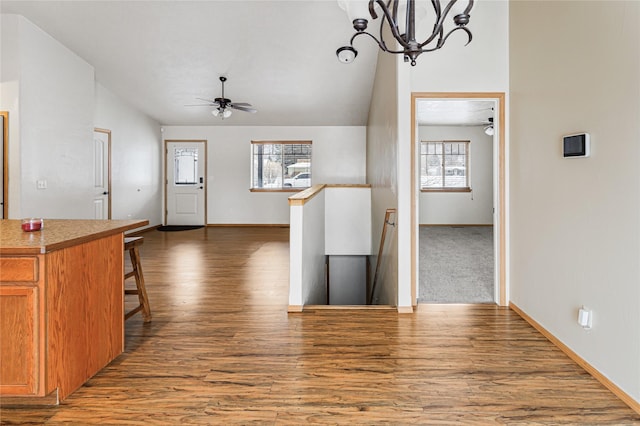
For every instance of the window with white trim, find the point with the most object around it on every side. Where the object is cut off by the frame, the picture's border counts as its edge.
(444, 166)
(280, 165)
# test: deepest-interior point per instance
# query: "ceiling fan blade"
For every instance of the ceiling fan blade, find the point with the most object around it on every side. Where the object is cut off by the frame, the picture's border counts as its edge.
(243, 104)
(207, 100)
(208, 105)
(243, 108)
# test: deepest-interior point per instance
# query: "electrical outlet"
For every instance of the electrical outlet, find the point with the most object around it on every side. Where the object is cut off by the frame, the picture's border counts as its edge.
(585, 318)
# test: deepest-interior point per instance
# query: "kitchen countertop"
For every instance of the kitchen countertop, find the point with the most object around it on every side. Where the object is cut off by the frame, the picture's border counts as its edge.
(58, 233)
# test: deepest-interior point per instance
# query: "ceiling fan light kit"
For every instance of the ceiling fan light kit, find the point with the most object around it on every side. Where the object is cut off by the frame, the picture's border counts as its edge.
(403, 30)
(489, 130)
(223, 106)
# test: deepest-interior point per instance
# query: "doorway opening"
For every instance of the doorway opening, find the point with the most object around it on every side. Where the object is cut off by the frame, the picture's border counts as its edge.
(458, 186)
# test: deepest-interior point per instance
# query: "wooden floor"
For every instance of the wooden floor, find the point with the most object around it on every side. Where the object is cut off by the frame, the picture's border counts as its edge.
(222, 349)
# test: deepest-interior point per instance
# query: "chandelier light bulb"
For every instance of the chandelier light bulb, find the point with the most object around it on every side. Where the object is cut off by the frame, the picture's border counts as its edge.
(226, 113)
(346, 54)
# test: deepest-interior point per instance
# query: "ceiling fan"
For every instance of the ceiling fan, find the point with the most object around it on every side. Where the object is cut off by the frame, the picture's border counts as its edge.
(223, 106)
(488, 127)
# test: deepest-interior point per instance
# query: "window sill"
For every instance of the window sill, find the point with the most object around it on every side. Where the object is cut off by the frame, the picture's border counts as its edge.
(296, 189)
(467, 189)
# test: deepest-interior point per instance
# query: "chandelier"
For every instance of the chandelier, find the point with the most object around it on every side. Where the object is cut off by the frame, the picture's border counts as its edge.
(400, 16)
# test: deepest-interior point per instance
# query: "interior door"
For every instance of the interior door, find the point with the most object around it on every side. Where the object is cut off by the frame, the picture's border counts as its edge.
(101, 174)
(185, 184)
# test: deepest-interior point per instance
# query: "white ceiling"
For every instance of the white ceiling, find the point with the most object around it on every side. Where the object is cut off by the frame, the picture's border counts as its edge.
(161, 55)
(277, 55)
(453, 112)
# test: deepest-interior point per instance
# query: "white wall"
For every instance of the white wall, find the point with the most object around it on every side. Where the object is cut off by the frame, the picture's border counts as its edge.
(54, 105)
(575, 228)
(482, 65)
(307, 285)
(347, 221)
(55, 125)
(469, 208)
(136, 158)
(338, 156)
(382, 164)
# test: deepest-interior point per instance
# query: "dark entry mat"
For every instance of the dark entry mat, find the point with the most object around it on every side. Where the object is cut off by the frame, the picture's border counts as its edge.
(172, 228)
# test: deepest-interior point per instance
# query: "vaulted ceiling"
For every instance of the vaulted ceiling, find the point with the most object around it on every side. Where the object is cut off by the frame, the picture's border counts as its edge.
(162, 55)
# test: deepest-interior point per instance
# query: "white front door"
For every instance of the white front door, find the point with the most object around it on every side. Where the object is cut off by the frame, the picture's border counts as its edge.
(186, 180)
(101, 177)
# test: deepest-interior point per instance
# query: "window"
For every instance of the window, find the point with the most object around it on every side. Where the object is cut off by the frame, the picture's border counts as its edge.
(280, 165)
(185, 166)
(444, 166)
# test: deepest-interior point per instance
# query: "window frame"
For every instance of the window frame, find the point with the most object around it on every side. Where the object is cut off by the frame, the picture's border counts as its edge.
(467, 187)
(279, 142)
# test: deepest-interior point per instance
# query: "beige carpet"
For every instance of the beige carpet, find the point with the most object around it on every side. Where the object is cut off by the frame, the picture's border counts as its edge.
(456, 264)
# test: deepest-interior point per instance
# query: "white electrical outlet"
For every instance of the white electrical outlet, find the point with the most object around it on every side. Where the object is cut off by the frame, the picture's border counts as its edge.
(585, 318)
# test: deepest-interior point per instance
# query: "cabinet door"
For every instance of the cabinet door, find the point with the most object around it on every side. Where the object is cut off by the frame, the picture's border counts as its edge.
(19, 350)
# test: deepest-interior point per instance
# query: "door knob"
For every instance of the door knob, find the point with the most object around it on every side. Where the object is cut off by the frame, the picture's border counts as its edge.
(105, 193)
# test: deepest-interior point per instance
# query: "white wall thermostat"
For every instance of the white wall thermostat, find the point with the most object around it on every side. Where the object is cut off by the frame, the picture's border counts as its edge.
(576, 146)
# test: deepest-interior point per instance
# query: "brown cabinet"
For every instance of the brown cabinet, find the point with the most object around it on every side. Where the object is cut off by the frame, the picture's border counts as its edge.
(61, 307)
(21, 336)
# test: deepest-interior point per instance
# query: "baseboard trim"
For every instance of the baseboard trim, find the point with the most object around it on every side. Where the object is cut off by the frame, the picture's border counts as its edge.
(294, 308)
(625, 397)
(247, 225)
(458, 225)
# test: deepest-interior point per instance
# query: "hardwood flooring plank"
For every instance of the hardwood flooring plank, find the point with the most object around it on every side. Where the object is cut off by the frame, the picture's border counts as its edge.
(221, 349)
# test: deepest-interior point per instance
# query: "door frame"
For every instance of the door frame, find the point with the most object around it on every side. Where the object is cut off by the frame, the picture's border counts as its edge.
(5, 164)
(166, 181)
(500, 203)
(108, 133)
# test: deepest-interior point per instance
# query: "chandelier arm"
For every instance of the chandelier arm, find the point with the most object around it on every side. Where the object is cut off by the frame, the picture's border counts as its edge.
(372, 11)
(442, 40)
(394, 13)
(438, 28)
(437, 8)
(469, 7)
(465, 29)
(380, 44)
(389, 18)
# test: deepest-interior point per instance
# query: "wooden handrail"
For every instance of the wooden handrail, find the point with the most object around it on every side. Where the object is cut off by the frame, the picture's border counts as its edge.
(302, 197)
(387, 222)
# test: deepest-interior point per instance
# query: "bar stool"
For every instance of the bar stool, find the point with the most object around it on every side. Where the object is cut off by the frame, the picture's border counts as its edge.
(131, 244)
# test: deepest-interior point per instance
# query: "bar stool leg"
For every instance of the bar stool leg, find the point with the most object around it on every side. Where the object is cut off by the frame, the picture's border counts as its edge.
(131, 245)
(142, 292)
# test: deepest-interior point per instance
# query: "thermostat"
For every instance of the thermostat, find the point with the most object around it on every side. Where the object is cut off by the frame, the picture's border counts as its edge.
(577, 145)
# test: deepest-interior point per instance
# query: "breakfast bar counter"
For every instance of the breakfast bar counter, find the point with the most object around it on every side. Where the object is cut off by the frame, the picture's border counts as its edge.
(61, 305)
